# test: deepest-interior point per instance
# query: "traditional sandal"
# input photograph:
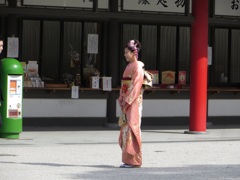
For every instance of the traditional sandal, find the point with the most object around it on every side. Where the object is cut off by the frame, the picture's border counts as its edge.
(128, 166)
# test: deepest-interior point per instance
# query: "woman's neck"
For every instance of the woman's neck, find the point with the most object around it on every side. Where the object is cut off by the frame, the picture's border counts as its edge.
(133, 60)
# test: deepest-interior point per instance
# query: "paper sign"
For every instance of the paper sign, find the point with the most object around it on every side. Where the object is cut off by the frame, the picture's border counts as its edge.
(209, 55)
(182, 77)
(75, 92)
(12, 47)
(3, 2)
(106, 83)
(92, 44)
(94, 82)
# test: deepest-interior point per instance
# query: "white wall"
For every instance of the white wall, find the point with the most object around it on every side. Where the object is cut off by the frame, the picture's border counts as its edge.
(98, 107)
(224, 107)
(163, 108)
(64, 108)
(181, 108)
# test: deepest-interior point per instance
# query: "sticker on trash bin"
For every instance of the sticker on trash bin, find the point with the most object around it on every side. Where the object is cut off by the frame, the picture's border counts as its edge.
(13, 113)
(14, 96)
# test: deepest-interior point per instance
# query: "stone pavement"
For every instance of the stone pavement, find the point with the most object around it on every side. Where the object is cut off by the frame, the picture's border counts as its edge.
(93, 153)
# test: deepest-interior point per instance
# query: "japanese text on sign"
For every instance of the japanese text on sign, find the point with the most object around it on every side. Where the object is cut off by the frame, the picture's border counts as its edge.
(155, 5)
(227, 7)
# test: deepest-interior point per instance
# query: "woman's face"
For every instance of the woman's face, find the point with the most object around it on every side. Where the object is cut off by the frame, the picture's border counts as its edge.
(129, 55)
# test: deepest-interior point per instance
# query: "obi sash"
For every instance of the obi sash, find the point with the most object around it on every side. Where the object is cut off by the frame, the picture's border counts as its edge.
(125, 83)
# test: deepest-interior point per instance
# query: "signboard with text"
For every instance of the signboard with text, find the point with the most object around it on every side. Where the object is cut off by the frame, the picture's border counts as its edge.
(227, 7)
(12, 47)
(2, 2)
(173, 6)
(102, 4)
(14, 96)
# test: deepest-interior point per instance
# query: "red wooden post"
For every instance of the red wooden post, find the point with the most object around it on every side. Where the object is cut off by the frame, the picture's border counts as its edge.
(199, 67)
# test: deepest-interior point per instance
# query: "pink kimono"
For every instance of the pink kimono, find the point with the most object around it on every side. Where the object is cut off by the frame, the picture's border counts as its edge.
(130, 101)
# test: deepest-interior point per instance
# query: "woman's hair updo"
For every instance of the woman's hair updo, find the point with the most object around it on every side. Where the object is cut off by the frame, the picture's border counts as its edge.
(134, 46)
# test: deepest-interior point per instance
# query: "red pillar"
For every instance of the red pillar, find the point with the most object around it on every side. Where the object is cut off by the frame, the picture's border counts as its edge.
(199, 67)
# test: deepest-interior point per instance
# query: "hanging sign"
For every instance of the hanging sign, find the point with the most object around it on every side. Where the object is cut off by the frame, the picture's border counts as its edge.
(3, 2)
(12, 47)
(176, 6)
(209, 55)
(92, 47)
(102, 4)
(227, 7)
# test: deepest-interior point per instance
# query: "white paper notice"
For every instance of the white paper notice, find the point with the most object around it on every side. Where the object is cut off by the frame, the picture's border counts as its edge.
(92, 44)
(12, 47)
(75, 90)
(3, 2)
(209, 55)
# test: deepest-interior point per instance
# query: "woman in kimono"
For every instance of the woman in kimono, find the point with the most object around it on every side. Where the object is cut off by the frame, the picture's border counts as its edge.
(1, 44)
(130, 101)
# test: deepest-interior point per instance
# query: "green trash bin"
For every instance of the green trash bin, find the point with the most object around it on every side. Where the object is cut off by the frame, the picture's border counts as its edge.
(11, 84)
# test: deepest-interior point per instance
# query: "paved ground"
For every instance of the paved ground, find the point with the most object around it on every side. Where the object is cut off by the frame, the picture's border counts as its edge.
(84, 153)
